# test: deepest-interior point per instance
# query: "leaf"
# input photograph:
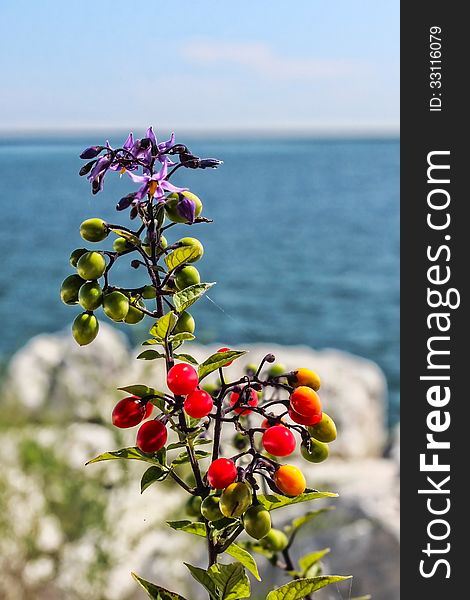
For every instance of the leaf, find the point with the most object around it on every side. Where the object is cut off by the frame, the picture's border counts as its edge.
(245, 558)
(234, 550)
(151, 475)
(186, 358)
(217, 360)
(181, 337)
(299, 588)
(153, 342)
(156, 592)
(230, 580)
(164, 326)
(366, 597)
(129, 237)
(184, 457)
(176, 445)
(180, 256)
(203, 577)
(185, 298)
(273, 501)
(150, 355)
(142, 391)
(309, 516)
(128, 454)
(307, 561)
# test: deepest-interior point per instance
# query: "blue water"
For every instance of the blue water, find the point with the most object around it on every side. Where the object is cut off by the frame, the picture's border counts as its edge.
(304, 245)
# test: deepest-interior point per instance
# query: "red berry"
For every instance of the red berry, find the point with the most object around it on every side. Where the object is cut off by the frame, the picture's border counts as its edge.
(279, 441)
(221, 473)
(148, 410)
(198, 404)
(128, 412)
(301, 420)
(252, 401)
(225, 350)
(182, 379)
(151, 436)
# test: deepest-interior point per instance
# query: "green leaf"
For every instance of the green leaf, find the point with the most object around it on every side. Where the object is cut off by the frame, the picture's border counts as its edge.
(273, 501)
(184, 457)
(176, 445)
(150, 355)
(366, 597)
(151, 475)
(180, 256)
(130, 237)
(299, 588)
(307, 561)
(217, 360)
(164, 326)
(156, 592)
(245, 558)
(203, 577)
(185, 298)
(128, 454)
(142, 391)
(234, 550)
(153, 342)
(309, 516)
(230, 581)
(181, 337)
(186, 358)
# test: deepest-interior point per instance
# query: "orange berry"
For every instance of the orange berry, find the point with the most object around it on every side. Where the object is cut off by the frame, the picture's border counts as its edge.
(290, 480)
(304, 377)
(305, 401)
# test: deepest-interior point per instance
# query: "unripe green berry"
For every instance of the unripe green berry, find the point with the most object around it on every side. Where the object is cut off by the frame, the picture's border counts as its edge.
(324, 430)
(70, 288)
(90, 295)
(210, 508)
(172, 202)
(193, 506)
(186, 277)
(317, 452)
(275, 540)
(116, 305)
(76, 255)
(149, 292)
(134, 315)
(91, 265)
(235, 499)
(93, 230)
(198, 248)
(185, 323)
(257, 521)
(85, 328)
(276, 370)
(120, 244)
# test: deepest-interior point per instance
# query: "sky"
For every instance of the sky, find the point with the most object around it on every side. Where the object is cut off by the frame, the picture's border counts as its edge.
(258, 65)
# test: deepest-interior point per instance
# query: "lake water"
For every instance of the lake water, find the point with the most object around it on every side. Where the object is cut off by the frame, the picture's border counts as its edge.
(304, 245)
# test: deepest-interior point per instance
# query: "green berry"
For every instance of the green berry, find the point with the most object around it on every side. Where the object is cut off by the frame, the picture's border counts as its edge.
(69, 289)
(251, 368)
(210, 508)
(276, 370)
(276, 540)
(90, 295)
(76, 255)
(134, 315)
(91, 265)
(317, 451)
(120, 244)
(185, 323)
(116, 305)
(186, 277)
(85, 328)
(235, 499)
(93, 230)
(149, 292)
(257, 521)
(193, 506)
(324, 430)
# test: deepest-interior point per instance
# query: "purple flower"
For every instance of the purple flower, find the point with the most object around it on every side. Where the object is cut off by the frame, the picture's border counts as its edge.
(154, 185)
(186, 208)
(91, 152)
(98, 172)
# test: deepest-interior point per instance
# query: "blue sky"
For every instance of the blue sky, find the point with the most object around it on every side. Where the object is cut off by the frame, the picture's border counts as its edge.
(205, 65)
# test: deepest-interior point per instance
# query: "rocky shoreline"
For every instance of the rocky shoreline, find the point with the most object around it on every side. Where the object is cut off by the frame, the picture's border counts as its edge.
(71, 531)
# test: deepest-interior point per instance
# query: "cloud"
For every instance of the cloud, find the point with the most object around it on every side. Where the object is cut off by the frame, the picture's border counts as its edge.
(263, 60)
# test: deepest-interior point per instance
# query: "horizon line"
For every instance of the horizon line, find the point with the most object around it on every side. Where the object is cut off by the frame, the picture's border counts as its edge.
(320, 131)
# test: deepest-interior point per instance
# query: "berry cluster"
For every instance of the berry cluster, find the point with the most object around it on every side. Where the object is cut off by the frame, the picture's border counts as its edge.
(229, 486)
